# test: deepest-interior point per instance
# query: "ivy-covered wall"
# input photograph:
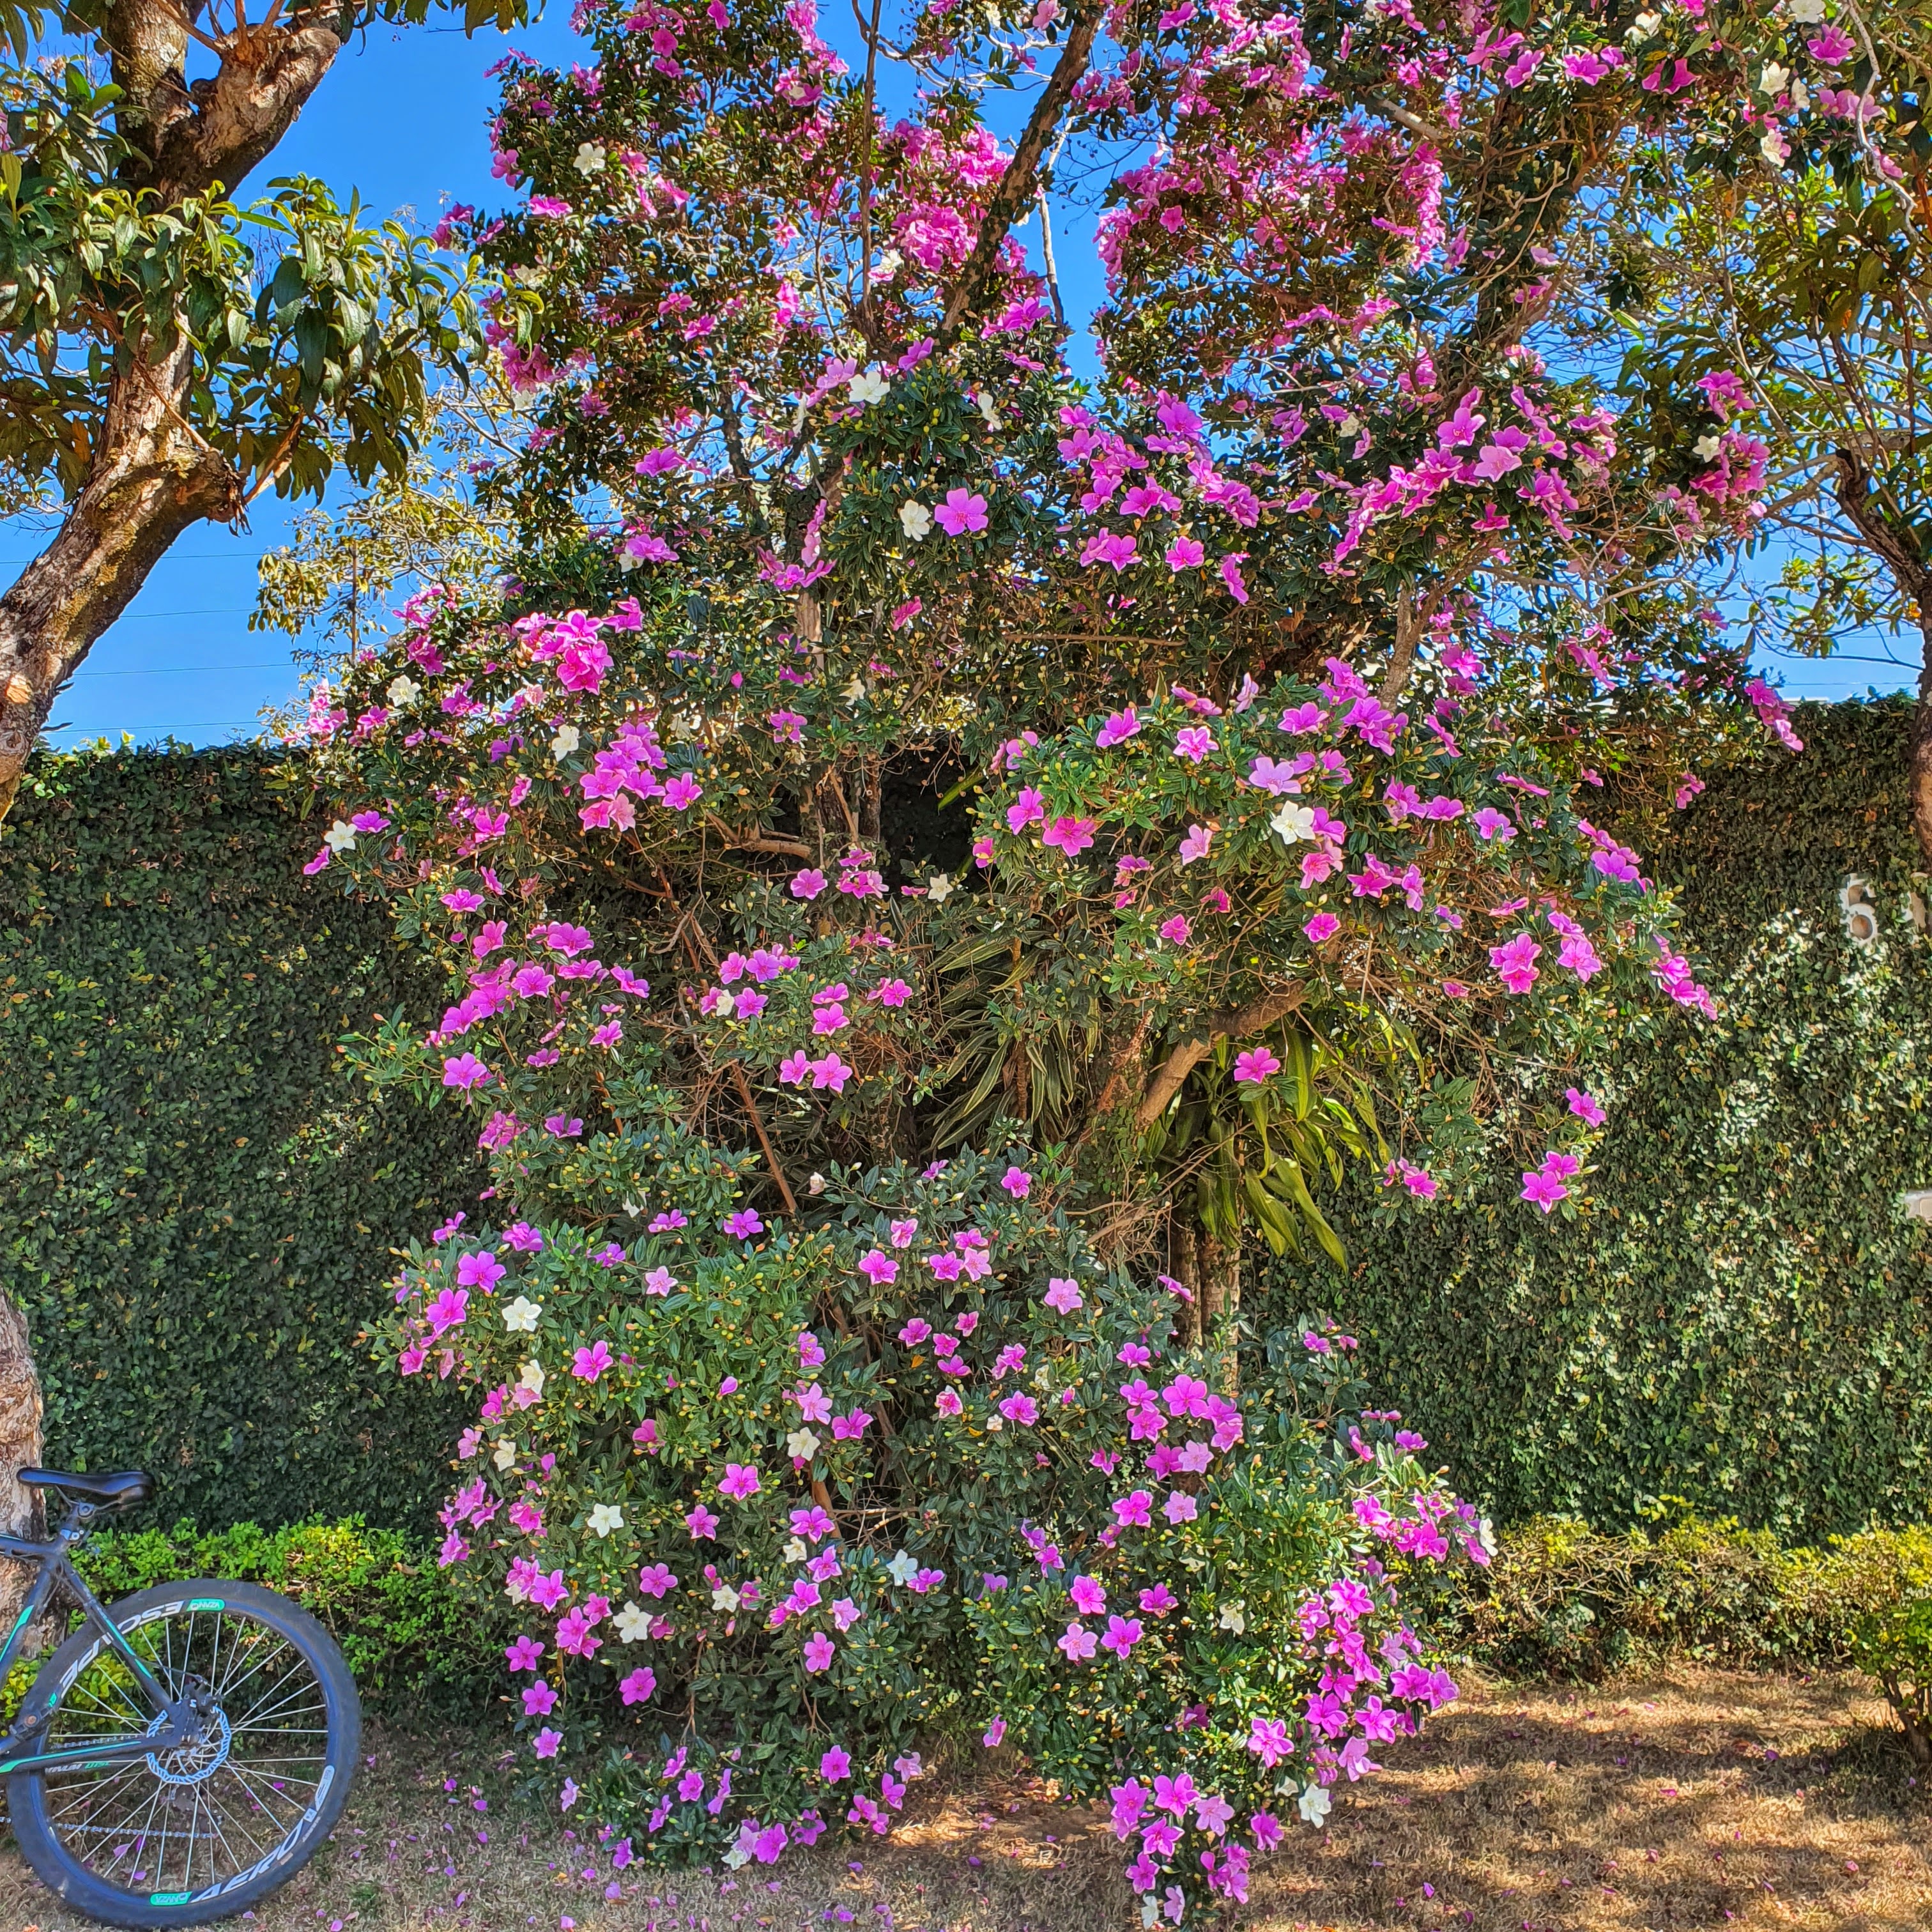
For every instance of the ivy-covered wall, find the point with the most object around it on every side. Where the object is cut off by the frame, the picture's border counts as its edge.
(1742, 1317)
(196, 1209)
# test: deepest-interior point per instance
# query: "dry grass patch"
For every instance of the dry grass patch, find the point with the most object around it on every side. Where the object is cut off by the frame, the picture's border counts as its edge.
(1695, 1799)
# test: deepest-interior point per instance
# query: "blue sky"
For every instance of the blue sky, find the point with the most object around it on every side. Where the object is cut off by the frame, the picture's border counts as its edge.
(402, 118)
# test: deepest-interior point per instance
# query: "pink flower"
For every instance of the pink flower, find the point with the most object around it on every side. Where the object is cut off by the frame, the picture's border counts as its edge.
(995, 1732)
(546, 1742)
(1830, 47)
(1585, 1107)
(1193, 742)
(1063, 1296)
(523, 1653)
(1135, 1509)
(1254, 1067)
(636, 1688)
(587, 1364)
(1176, 930)
(1109, 547)
(809, 883)
(1195, 844)
(683, 791)
(1028, 809)
(1123, 1634)
(1079, 1642)
(1544, 1189)
(831, 1071)
(740, 1481)
(819, 1651)
(962, 513)
(1072, 836)
(878, 1267)
(465, 1072)
(1017, 1182)
(1323, 926)
(1120, 726)
(1267, 1829)
(1231, 575)
(1515, 962)
(658, 1580)
(700, 1521)
(834, 1765)
(1022, 1410)
(744, 1224)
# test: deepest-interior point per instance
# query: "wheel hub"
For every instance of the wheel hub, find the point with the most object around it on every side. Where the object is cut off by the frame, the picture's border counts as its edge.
(200, 1756)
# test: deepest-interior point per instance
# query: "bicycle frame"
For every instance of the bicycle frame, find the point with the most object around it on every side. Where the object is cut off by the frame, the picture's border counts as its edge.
(56, 1569)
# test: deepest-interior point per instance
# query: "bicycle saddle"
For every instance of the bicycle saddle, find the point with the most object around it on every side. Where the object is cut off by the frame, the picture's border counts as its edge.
(121, 1489)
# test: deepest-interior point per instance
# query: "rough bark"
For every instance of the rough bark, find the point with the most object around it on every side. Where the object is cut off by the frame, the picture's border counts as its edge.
(1892, 539)
(151, 479)
(1017, 185)
(1236, 1023)
(19, 1449)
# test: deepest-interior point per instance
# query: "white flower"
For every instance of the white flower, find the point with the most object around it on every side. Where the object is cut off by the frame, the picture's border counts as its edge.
(888, 265)
(506, 1452)
(633, 1625)
(1294, 822)
(1772, 79)
(1234, 1617)
(1806, 13)
(868, 388)
(590, 158)
(1773, 148)
(1643, 27)
(341, 837)
(854, 693)
(1350, 425)
(994, 1424)
(816, 1185)
(795, 1550)
(404, 690)
(564, 741)
(916, 520)
(514, 1590)
(633, 1208)
(1800, 96)
(604, 1517)
(723, 1008)
(803, 1443)
(940, 887)
(1486, 1535)
(723, 1597)
(519, 1316)
(989, 408)
(1315, 1804)
(532, 1377)
(1705, 449)
(901, 1569)
(734, 1857)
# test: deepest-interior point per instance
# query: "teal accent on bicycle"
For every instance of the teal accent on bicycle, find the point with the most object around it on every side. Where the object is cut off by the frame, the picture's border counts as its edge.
(220, 1708)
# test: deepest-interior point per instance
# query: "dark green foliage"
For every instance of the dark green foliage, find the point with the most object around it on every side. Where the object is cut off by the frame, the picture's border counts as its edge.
(197, 1209)
(1742, 1317)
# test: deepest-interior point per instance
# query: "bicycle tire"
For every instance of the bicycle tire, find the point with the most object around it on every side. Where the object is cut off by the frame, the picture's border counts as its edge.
(111, 1842)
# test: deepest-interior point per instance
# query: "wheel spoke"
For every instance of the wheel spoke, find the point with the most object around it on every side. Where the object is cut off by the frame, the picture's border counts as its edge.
(192, 1815)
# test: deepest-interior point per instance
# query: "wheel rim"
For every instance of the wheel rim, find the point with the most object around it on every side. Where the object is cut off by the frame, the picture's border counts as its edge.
(206, 1816)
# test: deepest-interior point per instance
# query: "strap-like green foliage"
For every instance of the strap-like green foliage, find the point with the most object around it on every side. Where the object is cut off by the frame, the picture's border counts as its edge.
(1742, 1317)
(196, 1208)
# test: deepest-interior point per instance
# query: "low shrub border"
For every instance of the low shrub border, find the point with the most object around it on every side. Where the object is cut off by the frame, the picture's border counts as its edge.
(1559, 1599)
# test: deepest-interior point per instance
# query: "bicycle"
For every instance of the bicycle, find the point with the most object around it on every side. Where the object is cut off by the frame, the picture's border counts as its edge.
(179, 1757)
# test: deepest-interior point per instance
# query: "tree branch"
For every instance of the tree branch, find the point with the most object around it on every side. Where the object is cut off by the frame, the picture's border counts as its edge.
(1016, 187)
(1234, 1023)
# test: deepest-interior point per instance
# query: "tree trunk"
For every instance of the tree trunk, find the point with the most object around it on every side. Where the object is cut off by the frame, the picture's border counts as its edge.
(153, 477)
(19, 1449)
(1921, 737)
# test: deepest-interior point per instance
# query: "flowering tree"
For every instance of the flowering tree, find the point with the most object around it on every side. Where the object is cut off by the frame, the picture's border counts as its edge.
(1281, 660)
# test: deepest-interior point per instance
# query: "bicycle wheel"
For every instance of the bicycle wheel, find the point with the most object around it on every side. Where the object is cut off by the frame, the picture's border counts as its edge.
(202, 1831)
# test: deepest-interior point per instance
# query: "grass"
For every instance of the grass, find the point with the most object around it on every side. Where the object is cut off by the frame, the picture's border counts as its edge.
(1695, 1798)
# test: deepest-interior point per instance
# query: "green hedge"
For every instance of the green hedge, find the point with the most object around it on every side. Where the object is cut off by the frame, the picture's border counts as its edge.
(196, 1210)
(1743, 1316)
